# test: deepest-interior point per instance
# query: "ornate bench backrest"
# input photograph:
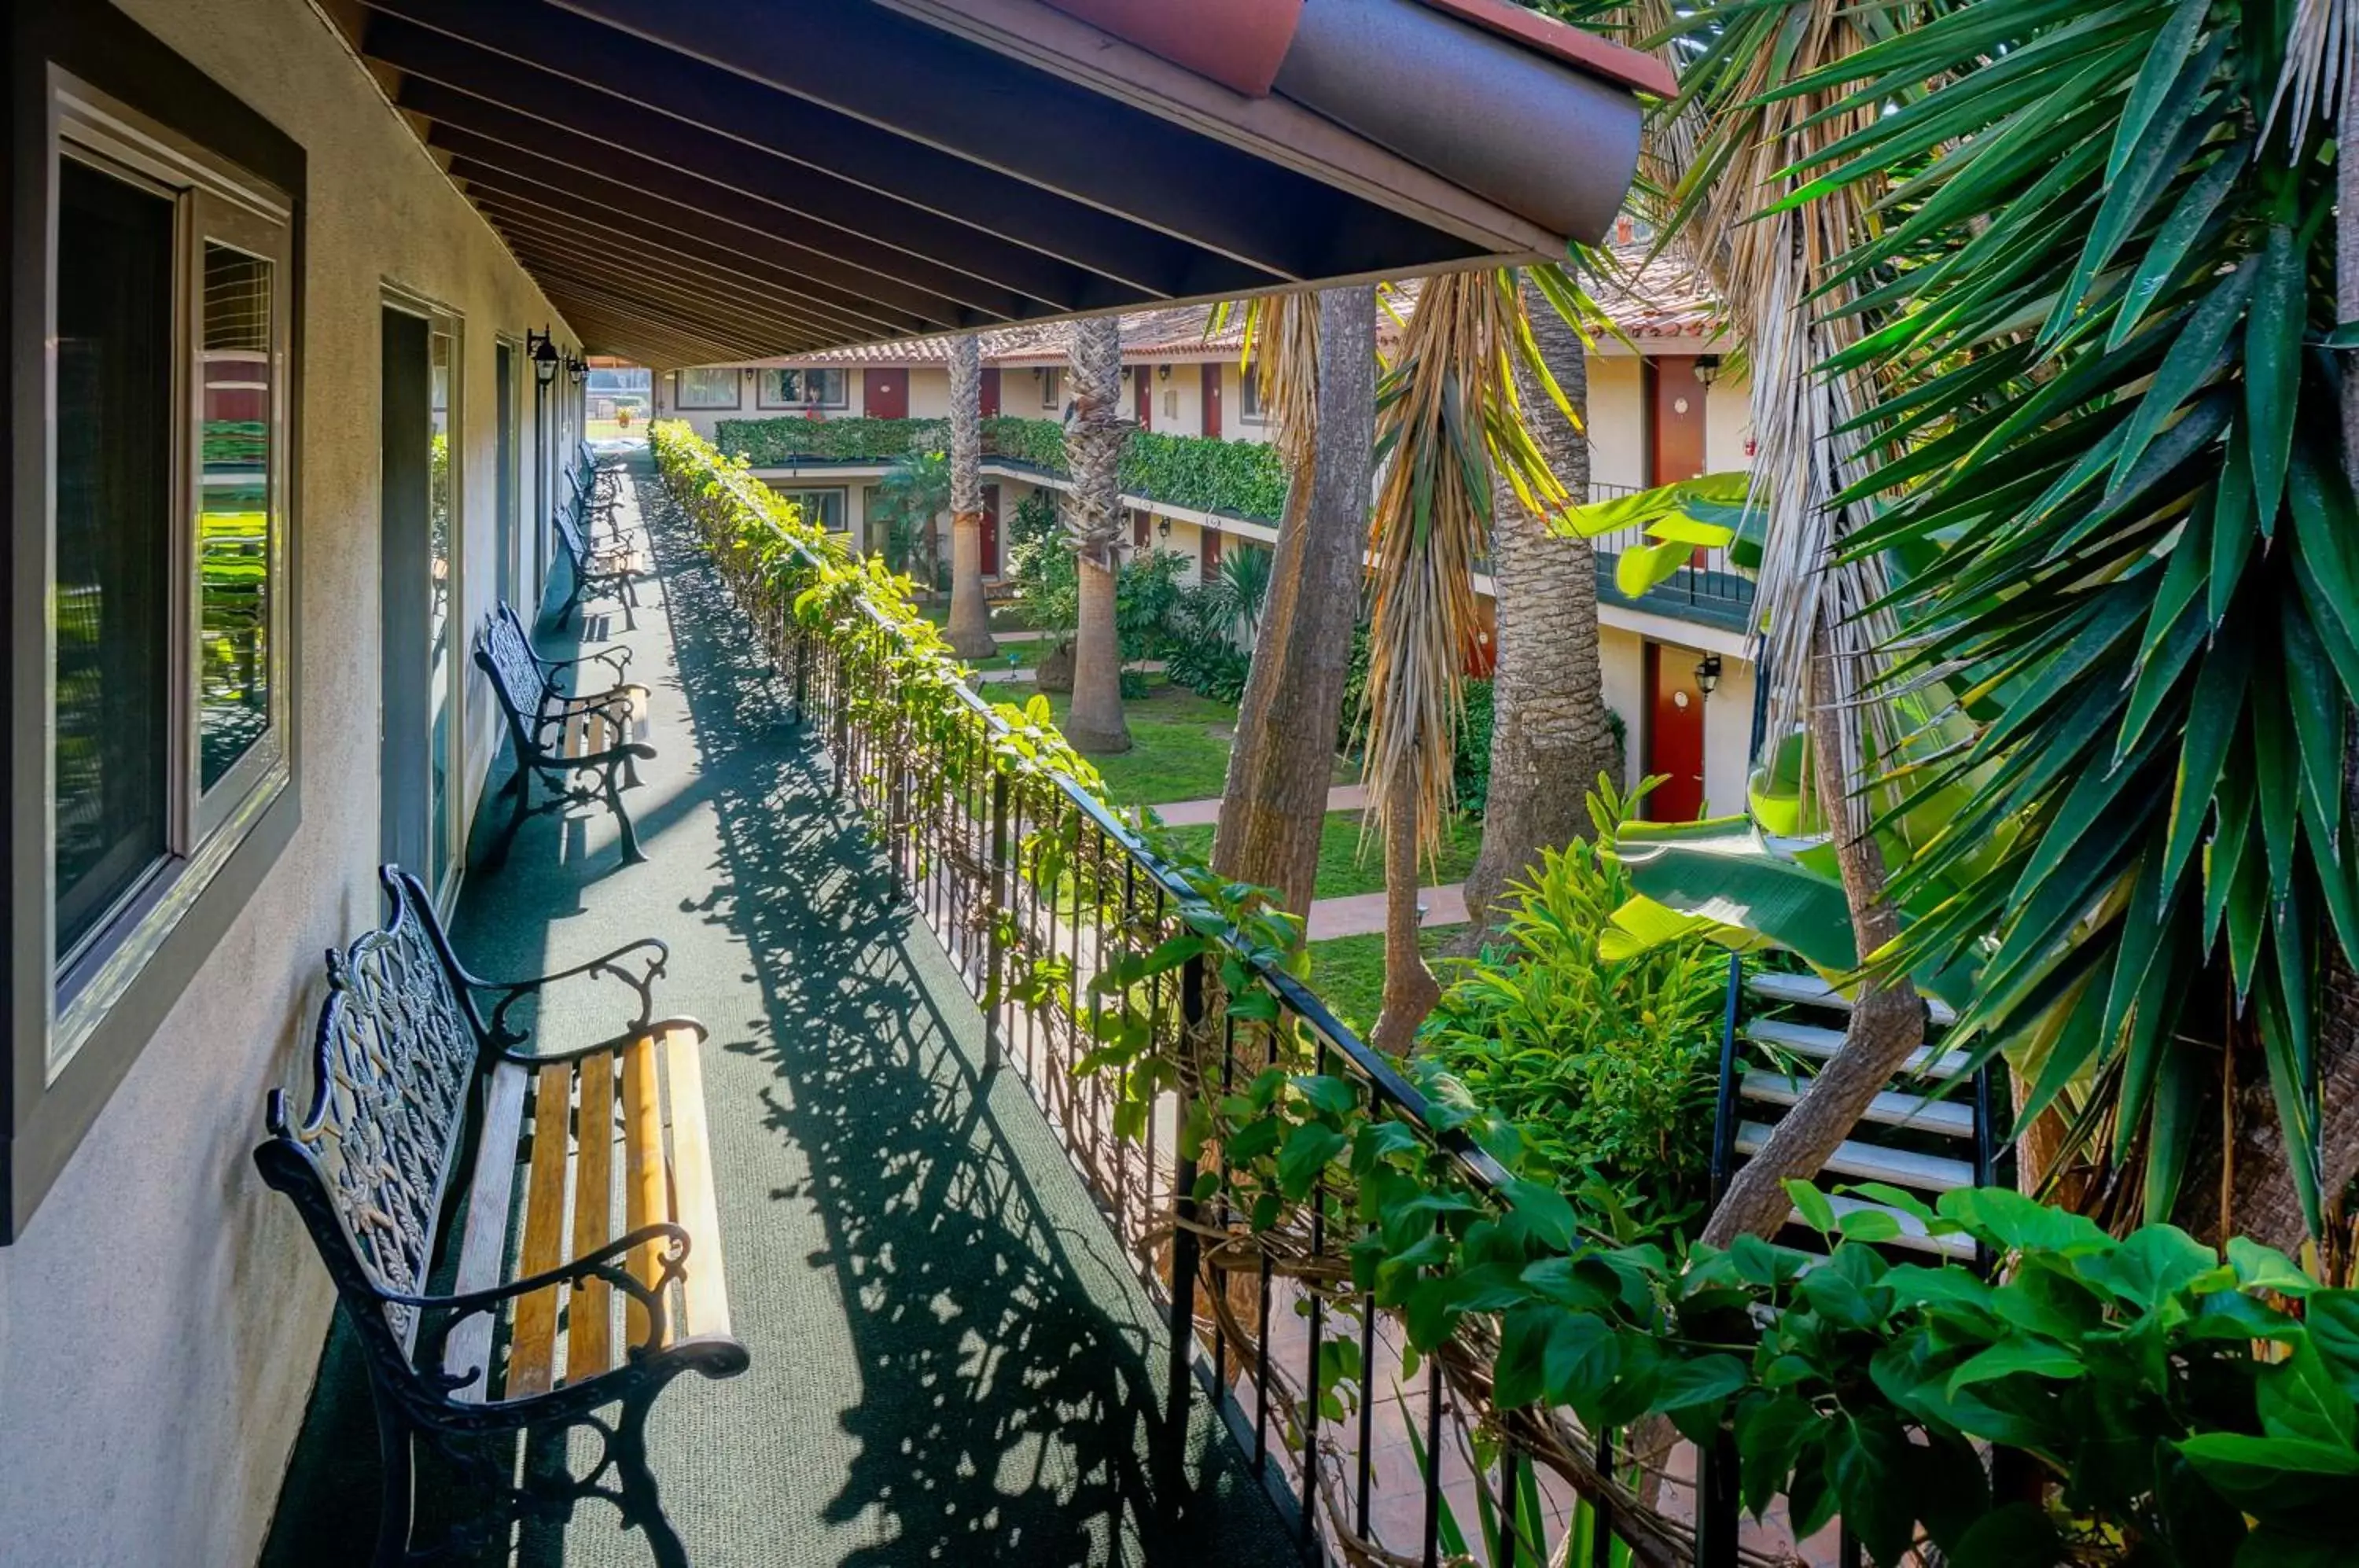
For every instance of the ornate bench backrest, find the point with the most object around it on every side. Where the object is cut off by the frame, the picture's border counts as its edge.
(397, 1050)
(569, 533)
(517, 677)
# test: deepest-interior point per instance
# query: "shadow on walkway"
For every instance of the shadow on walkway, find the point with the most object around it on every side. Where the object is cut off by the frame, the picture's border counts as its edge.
(952, 1360)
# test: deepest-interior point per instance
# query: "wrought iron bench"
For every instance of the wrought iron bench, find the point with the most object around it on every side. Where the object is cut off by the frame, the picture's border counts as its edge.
(600, 567)
(605, 1301)
(581, 746)
(596, 494)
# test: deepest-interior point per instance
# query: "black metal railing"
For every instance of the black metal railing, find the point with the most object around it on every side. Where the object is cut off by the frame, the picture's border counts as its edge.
(1706, 587)
(1048, 903)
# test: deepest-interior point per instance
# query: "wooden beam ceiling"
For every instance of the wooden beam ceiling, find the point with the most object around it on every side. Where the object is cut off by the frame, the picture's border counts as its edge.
(710, 180)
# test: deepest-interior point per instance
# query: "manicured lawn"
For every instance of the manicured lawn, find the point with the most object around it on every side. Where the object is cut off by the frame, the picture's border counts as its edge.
(1347, 866)
(1002, 620)
(1179, 745)
(1348, 972)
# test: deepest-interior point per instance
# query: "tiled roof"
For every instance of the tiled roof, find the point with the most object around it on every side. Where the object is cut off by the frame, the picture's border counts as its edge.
(1657, 297)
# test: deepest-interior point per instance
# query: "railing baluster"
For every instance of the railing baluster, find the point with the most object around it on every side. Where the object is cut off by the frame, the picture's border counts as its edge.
(1433, 1370)
(1318, 1334)
(1184, 1246)
(994, 1030)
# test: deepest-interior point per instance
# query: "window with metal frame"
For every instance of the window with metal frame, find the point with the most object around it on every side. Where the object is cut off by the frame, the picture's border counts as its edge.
(709, 388)
(817, 387)
(825, 507)
(166, 561)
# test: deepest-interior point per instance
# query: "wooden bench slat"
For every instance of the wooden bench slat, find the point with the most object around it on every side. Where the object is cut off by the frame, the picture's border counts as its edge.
(706, 1288)
(590, 1316)
(483, 1242)
(643, 1168)
(532, 1343)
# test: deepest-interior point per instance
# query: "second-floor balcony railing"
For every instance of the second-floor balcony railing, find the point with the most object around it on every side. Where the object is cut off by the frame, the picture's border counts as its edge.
(1707, 588)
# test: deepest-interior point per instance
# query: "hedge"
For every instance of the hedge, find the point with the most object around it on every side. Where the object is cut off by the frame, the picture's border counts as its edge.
(1242, 478)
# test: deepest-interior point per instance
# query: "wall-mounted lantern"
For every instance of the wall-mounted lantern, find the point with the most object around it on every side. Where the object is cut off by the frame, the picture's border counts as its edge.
(542, 351)
(1708, 673)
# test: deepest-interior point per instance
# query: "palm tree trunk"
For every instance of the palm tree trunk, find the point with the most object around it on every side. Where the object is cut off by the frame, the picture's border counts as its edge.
(1094, 442)
(1887, 1023)
(1549, 738)
(1411, 989)
(970, 625)
(1276, 803)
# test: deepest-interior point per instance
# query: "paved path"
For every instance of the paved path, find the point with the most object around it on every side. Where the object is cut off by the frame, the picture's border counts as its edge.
(953, 1361)
(1363, 914)
(1204, 813)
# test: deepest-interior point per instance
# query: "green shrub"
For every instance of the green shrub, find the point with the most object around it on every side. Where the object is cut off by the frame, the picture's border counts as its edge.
(1470, 770)
(776, 443)
(1037, 442)
(1244, 478)
(1604, 1067)
(1207, 475)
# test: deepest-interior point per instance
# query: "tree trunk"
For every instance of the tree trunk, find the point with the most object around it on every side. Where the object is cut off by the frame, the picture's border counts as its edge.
(1549, 737)
(1276, 804)
(1411, 989)
(970, 625)
(1094, 442)
(1888, 1022)
(1095, 723)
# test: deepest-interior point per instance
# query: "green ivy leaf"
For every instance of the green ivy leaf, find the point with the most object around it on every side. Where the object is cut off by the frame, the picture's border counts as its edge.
(2011, 1220)
(1816, 1211)
(2016, 1536)
(1770, 1436)
(2018, 1356)
(2299, 1398)
(1308, 1149)
(1545, 1209)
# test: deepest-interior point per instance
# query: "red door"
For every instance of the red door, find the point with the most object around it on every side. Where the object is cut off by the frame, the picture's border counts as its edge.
(1143, 386)
(1140, 526)
(1674, 419)
(887, 393)
(1208, 553)
(991, 530)
(1213, 400)
(1674, 734)
(990, 387)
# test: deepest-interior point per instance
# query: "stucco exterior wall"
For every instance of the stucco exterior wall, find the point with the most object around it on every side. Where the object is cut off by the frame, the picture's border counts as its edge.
(1727, 717)
(1617, 432)
(161, 1318)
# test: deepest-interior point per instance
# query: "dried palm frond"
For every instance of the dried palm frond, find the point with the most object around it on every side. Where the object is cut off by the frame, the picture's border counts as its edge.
(1281, 353)
(1448, 416)
(1776, 258)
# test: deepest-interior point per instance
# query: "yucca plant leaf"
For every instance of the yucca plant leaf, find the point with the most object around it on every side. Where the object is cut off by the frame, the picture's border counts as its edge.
(2273, 357)
(2162, 67)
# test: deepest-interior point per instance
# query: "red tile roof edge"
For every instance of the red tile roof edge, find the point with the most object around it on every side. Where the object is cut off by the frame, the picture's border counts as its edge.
(1599, 57)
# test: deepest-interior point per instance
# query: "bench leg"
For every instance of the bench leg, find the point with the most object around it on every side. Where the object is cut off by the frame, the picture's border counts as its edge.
(392, 1440)
(521, 784)
(632, 854)
(642, 1506)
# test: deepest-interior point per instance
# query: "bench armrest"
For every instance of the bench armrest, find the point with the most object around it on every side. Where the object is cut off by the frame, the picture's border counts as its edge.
(511, 992)
(612, 1042)
(614, 659)
(438, 1315)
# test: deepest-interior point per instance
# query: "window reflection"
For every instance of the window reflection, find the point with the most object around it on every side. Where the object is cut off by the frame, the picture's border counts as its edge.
(112, 607)
(234, 511)
(443, 366)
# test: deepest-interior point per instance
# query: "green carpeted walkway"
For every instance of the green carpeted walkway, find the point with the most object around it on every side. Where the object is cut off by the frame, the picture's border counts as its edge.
(952, 1361)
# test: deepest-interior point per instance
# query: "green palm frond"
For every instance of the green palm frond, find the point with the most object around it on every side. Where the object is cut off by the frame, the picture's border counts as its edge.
(2113, 473)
